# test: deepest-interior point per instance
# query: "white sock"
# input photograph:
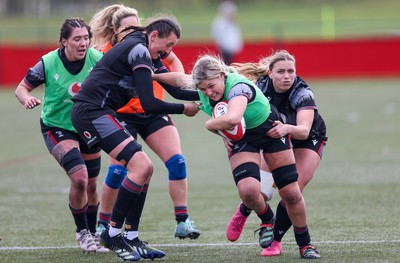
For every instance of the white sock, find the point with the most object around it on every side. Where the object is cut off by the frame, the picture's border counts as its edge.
(112, 231)
(131, 235)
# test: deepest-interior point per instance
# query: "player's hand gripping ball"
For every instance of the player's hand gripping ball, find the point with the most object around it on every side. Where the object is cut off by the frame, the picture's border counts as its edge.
(234, 134)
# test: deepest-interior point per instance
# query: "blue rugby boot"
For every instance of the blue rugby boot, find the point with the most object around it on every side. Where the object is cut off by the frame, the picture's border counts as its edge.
(119, 246)
(186, 229)
(144, 250)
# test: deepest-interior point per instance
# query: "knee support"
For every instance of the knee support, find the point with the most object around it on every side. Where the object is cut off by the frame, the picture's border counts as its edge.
(246, 170)
(285, 175)
(176, 166)
(115, 176)
(93, 167)
(72, 161)
(129, 150)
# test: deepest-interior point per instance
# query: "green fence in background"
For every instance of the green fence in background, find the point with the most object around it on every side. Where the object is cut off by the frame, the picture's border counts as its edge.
(24, 21)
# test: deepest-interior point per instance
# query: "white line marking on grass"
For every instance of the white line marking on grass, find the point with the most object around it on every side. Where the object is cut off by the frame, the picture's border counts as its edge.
(37, 248)
(214, 244)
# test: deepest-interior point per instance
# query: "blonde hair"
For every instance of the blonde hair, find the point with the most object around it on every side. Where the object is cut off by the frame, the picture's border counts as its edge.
(253, 71)
(280, 55)
(209, 67)
(104, 22)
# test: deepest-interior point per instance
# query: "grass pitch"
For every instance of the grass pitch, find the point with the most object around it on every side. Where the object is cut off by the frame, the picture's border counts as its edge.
(352, 202)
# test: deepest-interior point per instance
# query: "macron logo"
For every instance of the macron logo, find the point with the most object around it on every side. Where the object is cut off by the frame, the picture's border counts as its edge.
(56, 76)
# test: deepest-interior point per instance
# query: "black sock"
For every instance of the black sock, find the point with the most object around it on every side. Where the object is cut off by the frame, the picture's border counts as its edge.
(181, 213)
(91, 217)
(127, 197)
(135, 213)
(104, 219)
(79, 217)
(302, 236)
(266, 216)
(245, 210)
(282, 222)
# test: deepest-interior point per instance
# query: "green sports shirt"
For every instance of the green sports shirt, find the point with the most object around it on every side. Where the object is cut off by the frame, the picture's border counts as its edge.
(61, 86)
(257, 110)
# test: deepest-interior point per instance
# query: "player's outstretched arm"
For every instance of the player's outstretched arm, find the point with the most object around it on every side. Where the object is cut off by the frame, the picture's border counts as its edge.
(176, 79)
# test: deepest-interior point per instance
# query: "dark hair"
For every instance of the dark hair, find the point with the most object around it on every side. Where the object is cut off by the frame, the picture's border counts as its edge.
(71, 23)
(164, 26)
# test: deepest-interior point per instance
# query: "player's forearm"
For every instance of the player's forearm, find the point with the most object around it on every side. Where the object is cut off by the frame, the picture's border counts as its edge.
(176, 79)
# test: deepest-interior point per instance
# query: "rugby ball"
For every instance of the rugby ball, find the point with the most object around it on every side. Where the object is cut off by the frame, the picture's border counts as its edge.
(235, 133)
(268, 187)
